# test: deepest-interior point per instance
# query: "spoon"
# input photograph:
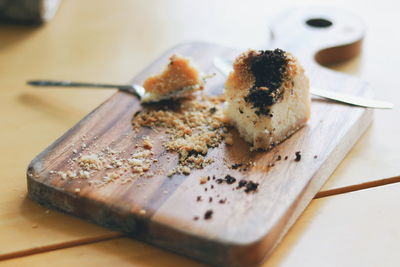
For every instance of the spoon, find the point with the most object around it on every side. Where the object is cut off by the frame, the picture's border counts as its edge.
(134, 89)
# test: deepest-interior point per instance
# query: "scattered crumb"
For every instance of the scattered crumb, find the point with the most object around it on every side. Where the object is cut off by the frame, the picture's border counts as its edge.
(228, 179)
(195, 218)
(142, 212)
(208, 214)
(236, 165)
(186, 170)
(286, 157)
(203, 180)
(35, 226)
(147, 144)
(315, 156)
(298, 156)
(228, 139)
(77, 190)
(251, 187)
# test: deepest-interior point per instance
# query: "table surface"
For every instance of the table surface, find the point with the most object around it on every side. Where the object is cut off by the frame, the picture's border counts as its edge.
(353, 221)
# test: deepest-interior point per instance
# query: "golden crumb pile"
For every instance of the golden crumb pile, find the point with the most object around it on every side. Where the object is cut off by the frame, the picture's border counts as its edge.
(108, 164)
(192, 128)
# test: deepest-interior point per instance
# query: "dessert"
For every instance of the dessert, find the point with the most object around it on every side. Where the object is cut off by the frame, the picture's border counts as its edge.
(180, 78)
(267, 97)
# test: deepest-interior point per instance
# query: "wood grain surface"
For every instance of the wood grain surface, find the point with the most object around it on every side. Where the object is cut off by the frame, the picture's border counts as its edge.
(363, 231)
(241, 235)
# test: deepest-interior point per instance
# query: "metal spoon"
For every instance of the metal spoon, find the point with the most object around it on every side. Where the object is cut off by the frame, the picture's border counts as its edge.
(225, 68)
(134, 89)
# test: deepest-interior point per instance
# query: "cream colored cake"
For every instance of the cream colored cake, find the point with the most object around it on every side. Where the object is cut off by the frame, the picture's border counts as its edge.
(267, 97)
(179, 78)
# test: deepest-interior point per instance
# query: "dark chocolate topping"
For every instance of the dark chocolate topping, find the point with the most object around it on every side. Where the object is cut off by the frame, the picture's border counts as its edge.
(268, 68)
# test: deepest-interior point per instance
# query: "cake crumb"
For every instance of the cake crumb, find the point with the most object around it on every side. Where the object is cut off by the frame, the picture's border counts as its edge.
(203, 180)
(147, 144)
(298, 156)
(186, 170)
(142, 212)
(208, 214)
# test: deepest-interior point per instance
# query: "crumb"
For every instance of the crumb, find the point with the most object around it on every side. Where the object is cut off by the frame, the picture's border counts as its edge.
(236, 165)
(298, 156)
(228, 139)
(142, 212)
(278, 158)
(77, 190)
(210, 199)
(230, 179)
(186, 170)
(315, 156)
(203, 180)
(195, 218)
(147, 144)
(242, 183)
(286, 157)
(198, 198)
(35, 226)
(251, 187)
(222, 201)
(208, 214)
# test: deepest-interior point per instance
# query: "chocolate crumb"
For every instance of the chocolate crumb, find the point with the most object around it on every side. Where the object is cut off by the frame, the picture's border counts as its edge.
(205, 189)
(208, 214)
(242, 183)
(198, 198)
(230, 179)
(213, 110)
(286, 157)
(213, 177)
(210, 199)
(219, 181)
(279, 158)
(208, 178)
(222, 201)
(298, 156)
(196, 218)
(315, 156)
(251, 186)
(212, 186)
(236, 165)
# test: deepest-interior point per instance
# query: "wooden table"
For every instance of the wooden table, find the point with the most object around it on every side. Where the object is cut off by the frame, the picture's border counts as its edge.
(110, 41)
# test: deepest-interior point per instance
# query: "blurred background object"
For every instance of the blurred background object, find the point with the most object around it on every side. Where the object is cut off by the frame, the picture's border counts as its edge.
(27, 11)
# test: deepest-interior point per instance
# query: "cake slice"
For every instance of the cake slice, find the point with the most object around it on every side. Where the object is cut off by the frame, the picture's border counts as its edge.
(180, 78)
(267, 97)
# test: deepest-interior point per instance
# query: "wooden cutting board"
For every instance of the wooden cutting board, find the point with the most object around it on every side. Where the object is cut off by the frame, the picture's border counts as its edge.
(161, 210)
